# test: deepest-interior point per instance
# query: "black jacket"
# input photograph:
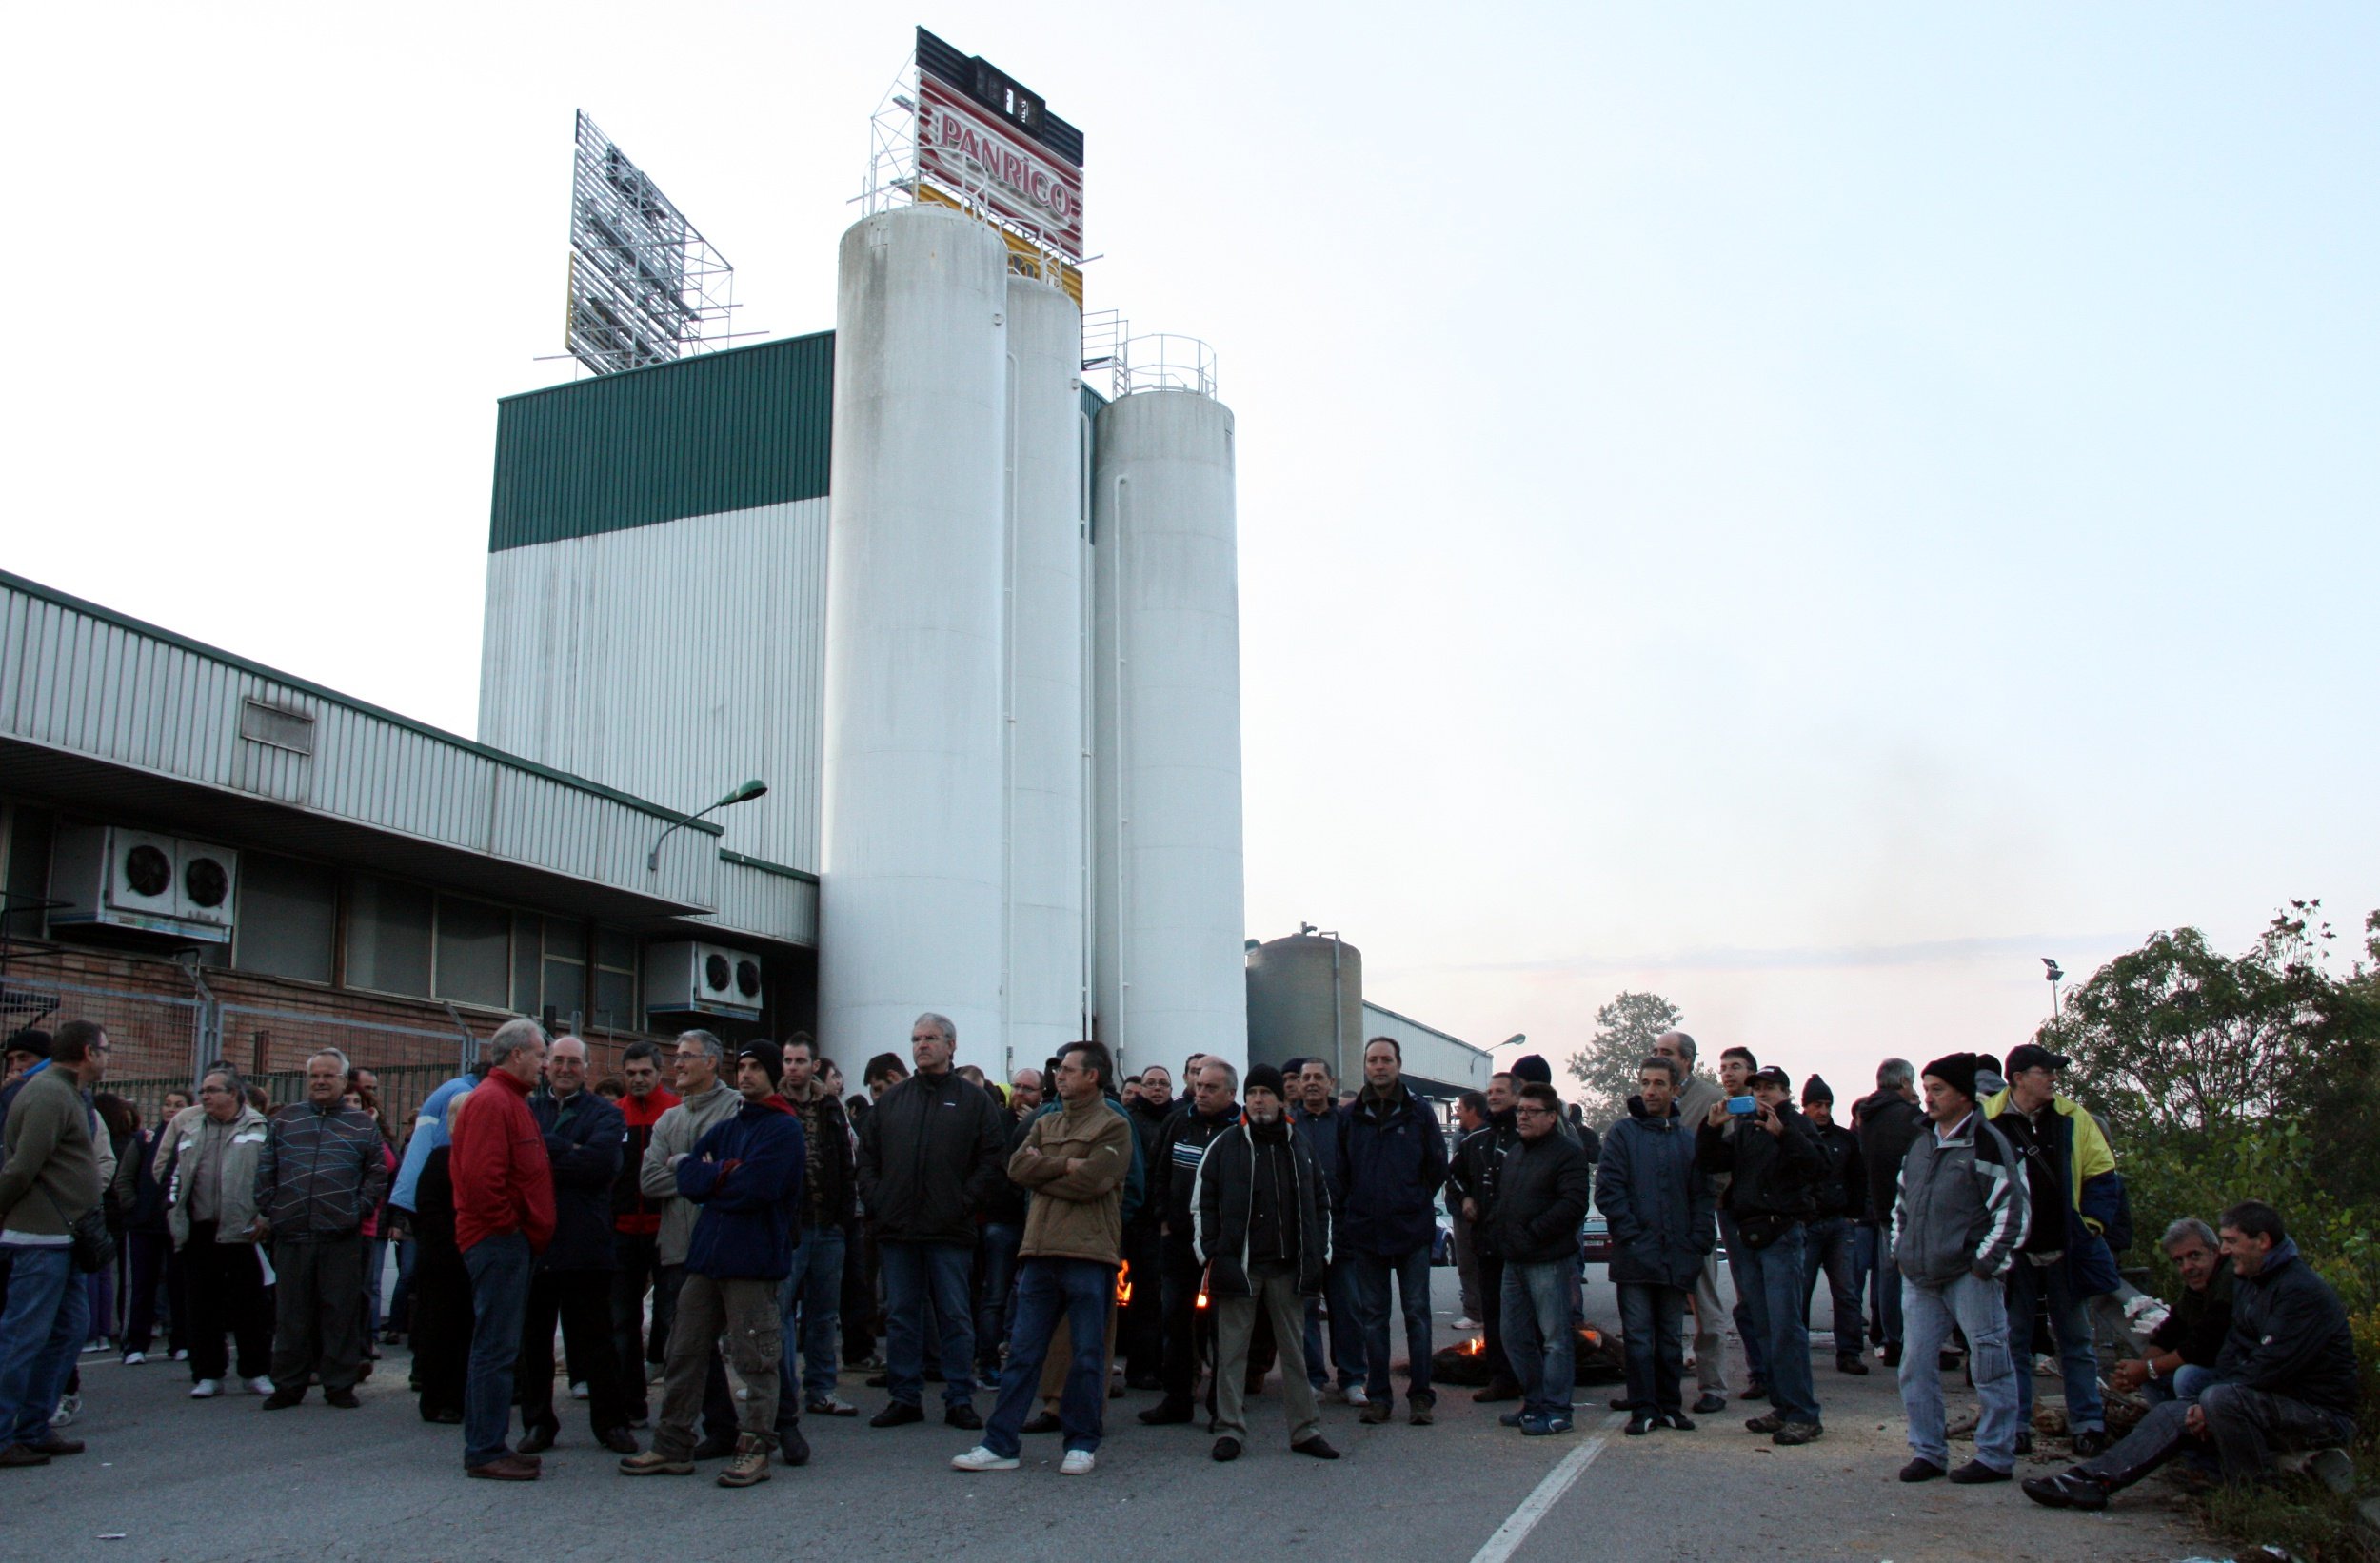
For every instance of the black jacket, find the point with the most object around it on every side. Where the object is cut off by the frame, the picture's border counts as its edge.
(2290, 1336)
(930, 1158)
(1889, 1125)
(1006, 1206)
(1656, 1200)
(1471, 1172)
(1392, 1163)
(1173, 1177)
(2200, 1322)
(1842, 1187)
(1148, 1131)
(583, 1141)
(1244, 1182)
(831, 1197)
(1542, 1197)
(1774, 1175)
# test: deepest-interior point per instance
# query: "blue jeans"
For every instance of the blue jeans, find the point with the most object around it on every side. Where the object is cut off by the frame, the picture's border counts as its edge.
(1412, 1274)
(911, 1271)
(1755, 1350)
(813, 1291)
(1047, 1289)
(1652, 1326)
(1771, 1282)
(500, 1269)
(375, 1265)
(1346, 1355)
(997, 1243)
(2185, 1384)
(1830, 1247)
(1541, 1335)
(41, 1335)
(2069, 1324)
(1980, 1309)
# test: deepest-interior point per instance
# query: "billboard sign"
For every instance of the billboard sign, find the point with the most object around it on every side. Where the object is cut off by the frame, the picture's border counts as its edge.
(990, 141)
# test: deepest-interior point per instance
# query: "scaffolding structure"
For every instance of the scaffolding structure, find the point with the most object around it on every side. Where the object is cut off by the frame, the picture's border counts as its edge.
(645, 286)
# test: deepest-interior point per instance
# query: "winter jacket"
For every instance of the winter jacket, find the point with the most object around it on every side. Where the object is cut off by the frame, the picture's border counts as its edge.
(1841, 1187)
(1542, 1196)
(1186, 1140)
(1958, 1212)
(1320, 1133)
(1249, 1181)
(1889, 1125)
(2200, 1322)
(635, 1213)
(1073, 1215)
(1007, 1205)
(2071, 1175)
(583, 1144)
(827, 1198)
(49, 1161)
(675, 1133)
(322, 1172)
(429, 1132)
(930, 1159)
(2290, 1336)
(1657, 1199)
(1775, 1176)
(1392, 1161)
(745, 1177)
(1472, 1170)
(149, 1189)
(503, 1182)
(1148, 1129)
(233, 1168)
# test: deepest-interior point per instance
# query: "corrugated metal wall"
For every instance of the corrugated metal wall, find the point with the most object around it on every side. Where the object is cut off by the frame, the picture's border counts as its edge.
(76, 677)
(672, 662)
(718, 431)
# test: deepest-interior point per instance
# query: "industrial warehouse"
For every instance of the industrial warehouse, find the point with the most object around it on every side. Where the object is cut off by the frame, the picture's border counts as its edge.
(957, 727)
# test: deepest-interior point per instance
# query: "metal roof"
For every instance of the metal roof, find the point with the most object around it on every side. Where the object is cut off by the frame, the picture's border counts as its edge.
(719, 431)
(100, 712)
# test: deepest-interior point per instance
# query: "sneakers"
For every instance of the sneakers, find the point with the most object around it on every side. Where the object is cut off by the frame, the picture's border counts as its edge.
(1975, 1473)
(1794, 1433)
(1768, 1421)
(1331, 1394)
(1677, 1419)
(1540, 1427)
(1641, 1424)
(2066, 1489)
(654, 1463)
(829, 1405)
(578, 1392)
(981, 1458)
(207, 1389)
(69, 1407)
(183, 1354)
(1078, 1462)
(1512, 1418)
(1423, 1410)
(748, 1466)
(261, 1385)
(1359, 1396)
(1467, 1322)
(2091, 1443)
(133, 1359)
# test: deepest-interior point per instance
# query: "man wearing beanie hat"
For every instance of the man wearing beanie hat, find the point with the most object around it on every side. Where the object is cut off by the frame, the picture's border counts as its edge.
(1829, 1242)
(1957, 1223)
(1264, 1235)
(745, 1177)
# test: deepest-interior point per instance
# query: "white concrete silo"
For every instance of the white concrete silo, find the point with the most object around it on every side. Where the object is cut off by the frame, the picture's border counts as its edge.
(1167, 883)
(913, 880)
(1044, 955)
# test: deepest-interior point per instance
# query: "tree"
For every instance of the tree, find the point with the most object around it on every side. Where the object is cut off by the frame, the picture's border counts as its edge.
(1624, 1030)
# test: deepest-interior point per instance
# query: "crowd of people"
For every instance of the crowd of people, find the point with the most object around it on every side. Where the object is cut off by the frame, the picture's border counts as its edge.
(740, 1234)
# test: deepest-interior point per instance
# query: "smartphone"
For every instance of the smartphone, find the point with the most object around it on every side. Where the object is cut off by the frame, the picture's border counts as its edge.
(1742, 1106)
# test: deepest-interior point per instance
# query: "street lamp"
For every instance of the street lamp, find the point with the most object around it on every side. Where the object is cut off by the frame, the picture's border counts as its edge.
(2056, 977)
(744, 794)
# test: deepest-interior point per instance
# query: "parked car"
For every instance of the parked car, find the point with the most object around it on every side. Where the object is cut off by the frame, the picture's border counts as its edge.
(1595, 1239)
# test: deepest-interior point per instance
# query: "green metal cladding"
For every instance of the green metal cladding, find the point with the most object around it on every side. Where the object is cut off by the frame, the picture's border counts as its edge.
(718, 431)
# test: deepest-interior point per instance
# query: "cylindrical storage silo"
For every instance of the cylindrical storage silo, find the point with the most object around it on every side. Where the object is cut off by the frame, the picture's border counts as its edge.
(1305, 1000)
(1166, 653)
(912, 889)
(1048, 626)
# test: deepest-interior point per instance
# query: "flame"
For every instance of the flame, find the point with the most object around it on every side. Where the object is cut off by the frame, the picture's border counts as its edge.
(1472, 1348)
(1202, 1302)
(1123, 1284)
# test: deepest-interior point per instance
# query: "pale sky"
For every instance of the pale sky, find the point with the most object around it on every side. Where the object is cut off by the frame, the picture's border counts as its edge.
(1806, 509)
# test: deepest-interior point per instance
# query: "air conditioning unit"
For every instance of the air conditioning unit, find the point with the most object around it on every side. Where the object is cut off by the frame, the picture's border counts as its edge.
(112, 876)
(693, 979)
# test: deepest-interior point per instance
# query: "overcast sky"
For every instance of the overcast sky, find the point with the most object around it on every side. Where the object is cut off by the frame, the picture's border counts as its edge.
(1806, 508)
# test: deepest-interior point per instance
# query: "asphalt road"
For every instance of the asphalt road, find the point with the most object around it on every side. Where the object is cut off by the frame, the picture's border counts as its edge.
(190, 1481)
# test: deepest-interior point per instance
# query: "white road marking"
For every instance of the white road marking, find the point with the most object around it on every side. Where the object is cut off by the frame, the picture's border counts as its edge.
(1548, 1492)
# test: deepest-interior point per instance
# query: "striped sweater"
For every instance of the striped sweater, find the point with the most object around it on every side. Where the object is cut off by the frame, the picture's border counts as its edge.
(320, 1173)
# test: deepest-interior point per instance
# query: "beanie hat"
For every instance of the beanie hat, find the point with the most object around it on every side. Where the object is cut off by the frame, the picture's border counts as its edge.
(1265, 1077)
(1955, 1070)
(1532, 1067)
(28, 1041)
(1815, 1089)
(769, 1055)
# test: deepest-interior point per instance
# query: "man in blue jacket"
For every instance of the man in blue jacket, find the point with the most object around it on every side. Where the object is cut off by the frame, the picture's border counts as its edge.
(1314, 1117)
(1657, 1200)
(572, 1282)
(1392, 1159)
(745, 1176)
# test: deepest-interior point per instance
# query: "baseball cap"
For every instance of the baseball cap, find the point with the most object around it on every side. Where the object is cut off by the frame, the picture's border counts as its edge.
(2034, 1056)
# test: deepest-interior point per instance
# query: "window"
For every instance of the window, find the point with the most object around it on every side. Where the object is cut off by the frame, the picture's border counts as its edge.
(289, 915)
(474, 952)
(527, 937)
(614, 1000)
(565, 969)
(388, 937)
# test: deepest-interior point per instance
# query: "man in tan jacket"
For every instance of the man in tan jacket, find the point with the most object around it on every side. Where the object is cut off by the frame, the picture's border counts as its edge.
(1073, 1163)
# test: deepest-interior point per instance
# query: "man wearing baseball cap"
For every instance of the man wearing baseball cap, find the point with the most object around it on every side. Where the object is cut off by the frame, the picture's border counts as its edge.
(1957, 1221)
(2070, 1178)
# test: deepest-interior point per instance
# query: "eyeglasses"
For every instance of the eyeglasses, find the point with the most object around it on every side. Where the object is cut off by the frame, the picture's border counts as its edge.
(1538, 1111)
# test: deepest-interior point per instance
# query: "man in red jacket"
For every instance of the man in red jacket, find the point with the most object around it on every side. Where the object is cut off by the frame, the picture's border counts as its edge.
(636, 1227)
(503, 1218)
